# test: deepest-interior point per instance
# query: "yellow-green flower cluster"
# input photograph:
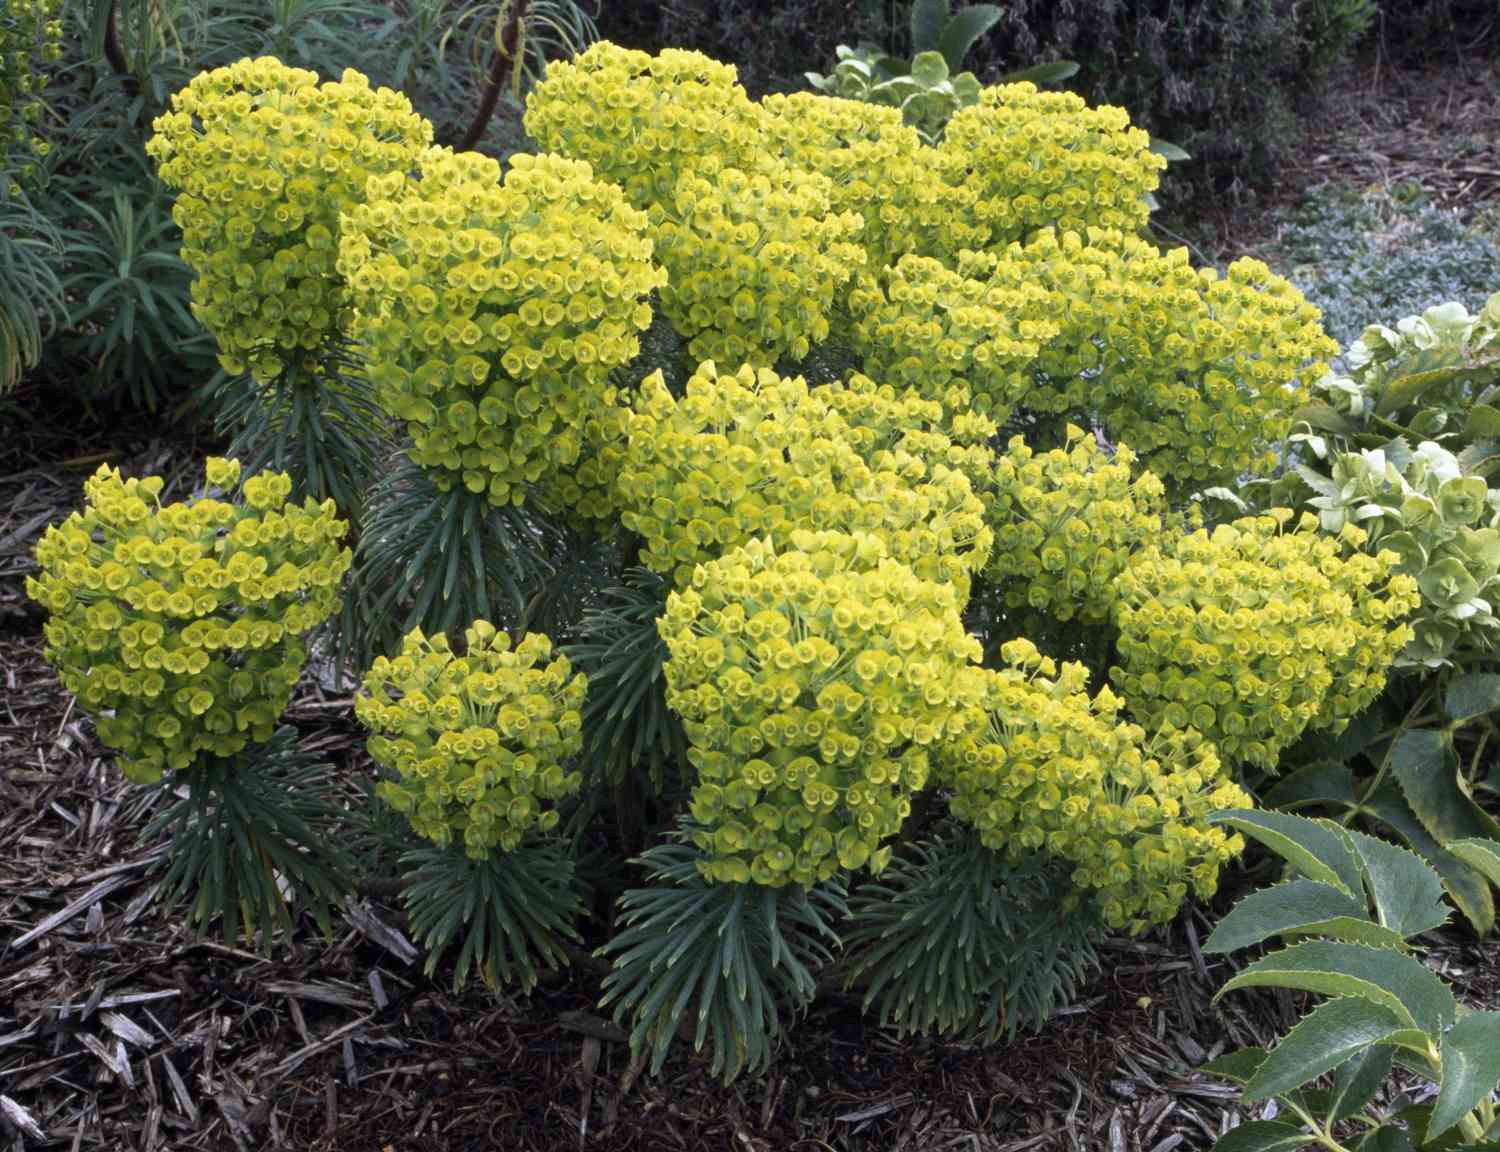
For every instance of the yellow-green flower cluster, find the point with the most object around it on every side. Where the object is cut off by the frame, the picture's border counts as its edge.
(480, 743)
(1252, 633)
(757, 455)
(878, 166)
(1066, 523)
(951, 336)
(30, 36)
(1023, 159)
(265, 159)
(755, 259)
(491, 314)
(1199, 374)
(1051, 770)
(812, 684)
(643, 120)
(180, 625)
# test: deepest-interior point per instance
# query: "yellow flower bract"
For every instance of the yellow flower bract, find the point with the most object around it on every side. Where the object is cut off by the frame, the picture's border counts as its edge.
(1051, 769)
(480, 743)
(492, 313)
(265, 159)
(813, 684)
(1252, 633)
(180, 626)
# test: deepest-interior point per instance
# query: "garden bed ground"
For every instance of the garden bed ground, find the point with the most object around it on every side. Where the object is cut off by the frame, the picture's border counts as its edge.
(120, 1031)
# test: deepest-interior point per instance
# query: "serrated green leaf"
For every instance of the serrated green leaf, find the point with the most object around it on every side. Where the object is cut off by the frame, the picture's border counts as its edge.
(1408, 894)
(1481, 855)
(1466, 887)
(1333, 968)
(1263, 1136)
(1471, 1069)
(1472, 694)
(1324, 1039)
(1237, 1067)
(1426, 766)
(1328, 782)
(1357, 1081)
(1319, 849)
(963, 32)
(1297, 906)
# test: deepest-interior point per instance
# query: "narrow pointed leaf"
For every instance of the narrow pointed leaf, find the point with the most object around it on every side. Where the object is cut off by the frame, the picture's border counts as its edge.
(1481, 855)
(963, 32)
(1296, 906)
(1236, 1067)
(1465, 886)
(1357, 1081)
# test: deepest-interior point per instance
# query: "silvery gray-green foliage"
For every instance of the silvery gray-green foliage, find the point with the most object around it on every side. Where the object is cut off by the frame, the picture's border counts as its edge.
(1348, 915)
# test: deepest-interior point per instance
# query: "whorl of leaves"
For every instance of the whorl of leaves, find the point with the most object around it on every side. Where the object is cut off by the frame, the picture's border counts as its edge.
(740, 957)
(954, 940)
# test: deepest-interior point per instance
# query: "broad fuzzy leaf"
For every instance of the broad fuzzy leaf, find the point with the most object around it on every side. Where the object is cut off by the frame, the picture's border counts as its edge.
(1263, 1136)
(963, 32)
(1319, 849)
(1471, 1069)
(1325, 1038)
(1333, 968)
(928, 19)
(1297, 906)
(1408, 894)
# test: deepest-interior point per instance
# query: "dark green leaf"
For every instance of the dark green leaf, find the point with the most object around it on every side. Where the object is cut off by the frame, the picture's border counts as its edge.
(1466, 887)
(1472, 694)
(1319, 849)
(1326, 1037)
(1236, 1066)
(1408, 894)
(1323, 782)
(1263, 1136)
(928, 19)
(1386, 1138)
(1481, 855)
(1298, 906)
(1357, 1081)
(1333, 968)
(1426, 766)
(1054, 72)
(963, 32)
(1471, 1069)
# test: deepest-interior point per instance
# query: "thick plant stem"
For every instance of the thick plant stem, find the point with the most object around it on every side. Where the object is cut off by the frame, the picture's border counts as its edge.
(507, 38)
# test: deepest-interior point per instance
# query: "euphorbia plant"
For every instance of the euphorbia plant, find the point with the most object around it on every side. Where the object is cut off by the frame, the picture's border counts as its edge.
(182, 627)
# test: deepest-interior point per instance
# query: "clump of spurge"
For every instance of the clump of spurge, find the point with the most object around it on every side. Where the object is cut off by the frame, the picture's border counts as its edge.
(182, 625)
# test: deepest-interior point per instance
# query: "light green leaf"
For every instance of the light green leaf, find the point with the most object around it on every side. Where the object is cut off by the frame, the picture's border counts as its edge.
(1390, 979)
(929, 69)
(1482, 855)
(1263, 1136)
(1408, 894)
(1053, 72)
(1326, 1037)
(1484, 423)
(1319, 849)
(1472, 694)
(1471, 1069)
(1465, 887)
(1357, 1081)
(964, 30)
(1237, 1067)
(1297, 906)
(928, 19)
